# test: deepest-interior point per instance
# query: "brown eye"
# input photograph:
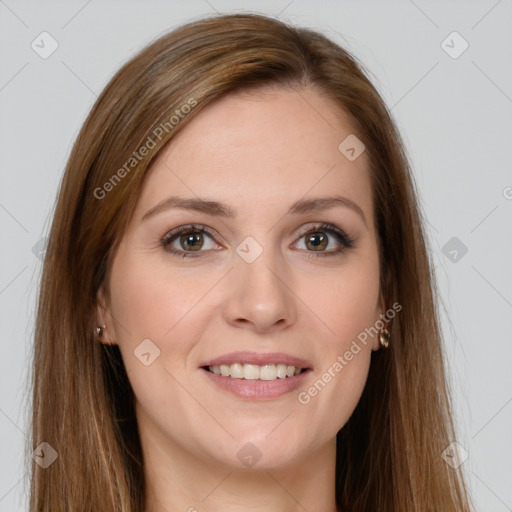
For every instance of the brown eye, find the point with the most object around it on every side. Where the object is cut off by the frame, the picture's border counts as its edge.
(326, 236)
(317, 241)
(186, 240)
(192, 241)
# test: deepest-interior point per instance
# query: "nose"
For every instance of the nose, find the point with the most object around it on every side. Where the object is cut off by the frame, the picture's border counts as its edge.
(260, 296)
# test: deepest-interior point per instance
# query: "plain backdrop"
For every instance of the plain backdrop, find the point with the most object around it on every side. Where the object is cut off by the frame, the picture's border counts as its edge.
(451, 96)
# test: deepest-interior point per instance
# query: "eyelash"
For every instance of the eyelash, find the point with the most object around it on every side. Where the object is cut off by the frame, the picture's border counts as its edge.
(341, 236)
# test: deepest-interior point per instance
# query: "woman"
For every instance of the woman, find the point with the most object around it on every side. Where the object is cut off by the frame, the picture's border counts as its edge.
(237, 309)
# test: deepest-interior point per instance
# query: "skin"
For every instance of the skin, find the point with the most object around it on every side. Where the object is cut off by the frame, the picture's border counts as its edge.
(258, 152)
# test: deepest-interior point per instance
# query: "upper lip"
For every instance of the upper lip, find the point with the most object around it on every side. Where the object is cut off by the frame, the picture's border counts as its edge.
(259, 358)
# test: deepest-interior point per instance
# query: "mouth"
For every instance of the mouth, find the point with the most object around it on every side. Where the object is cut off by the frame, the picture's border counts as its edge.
(266, 372)
(255, 375)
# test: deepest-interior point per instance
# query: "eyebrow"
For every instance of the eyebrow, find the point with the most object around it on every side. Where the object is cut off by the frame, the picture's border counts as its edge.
(217, 209)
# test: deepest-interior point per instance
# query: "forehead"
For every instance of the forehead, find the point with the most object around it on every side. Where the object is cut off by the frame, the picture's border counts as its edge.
(258, 149)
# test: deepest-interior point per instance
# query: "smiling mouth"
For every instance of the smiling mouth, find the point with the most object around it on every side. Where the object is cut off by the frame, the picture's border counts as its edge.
(267, 372)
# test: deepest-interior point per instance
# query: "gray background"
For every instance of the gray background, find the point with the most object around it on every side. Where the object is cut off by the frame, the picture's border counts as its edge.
(455, 117)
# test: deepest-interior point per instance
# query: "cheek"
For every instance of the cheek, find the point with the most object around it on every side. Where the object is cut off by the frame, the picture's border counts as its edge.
(348, 304)
(338, 383)
(348, 309)
(152, 302)
(148, 304)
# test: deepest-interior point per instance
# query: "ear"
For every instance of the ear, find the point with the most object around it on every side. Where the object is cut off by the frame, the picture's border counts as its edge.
(379, 320)
(104, 318)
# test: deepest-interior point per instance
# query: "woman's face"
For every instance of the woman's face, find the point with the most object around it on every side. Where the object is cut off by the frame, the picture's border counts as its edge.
(266, 281)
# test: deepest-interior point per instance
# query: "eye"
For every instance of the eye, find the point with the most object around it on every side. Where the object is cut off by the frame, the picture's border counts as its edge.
(320, 237)
(189, 239)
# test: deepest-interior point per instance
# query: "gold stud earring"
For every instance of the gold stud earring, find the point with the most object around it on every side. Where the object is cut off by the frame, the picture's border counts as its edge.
(98, 332)
(384, 338)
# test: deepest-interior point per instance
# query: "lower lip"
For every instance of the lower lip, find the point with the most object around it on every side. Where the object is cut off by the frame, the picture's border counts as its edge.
(258, 389)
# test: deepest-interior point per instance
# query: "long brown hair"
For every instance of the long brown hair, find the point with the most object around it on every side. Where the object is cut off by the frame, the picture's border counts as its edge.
(389, 453)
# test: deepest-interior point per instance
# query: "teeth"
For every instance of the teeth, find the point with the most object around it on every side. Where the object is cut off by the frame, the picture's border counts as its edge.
(236, 371)
(255, 372)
